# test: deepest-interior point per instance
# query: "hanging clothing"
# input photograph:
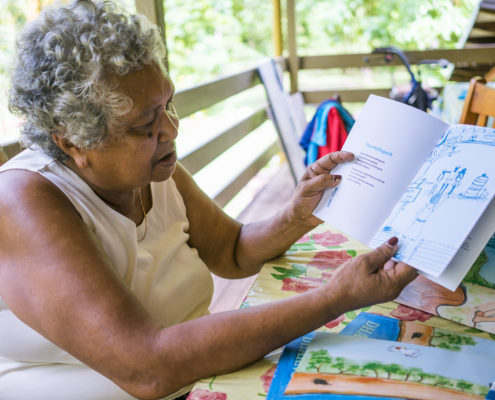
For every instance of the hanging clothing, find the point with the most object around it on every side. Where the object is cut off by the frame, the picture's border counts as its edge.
(327, 130)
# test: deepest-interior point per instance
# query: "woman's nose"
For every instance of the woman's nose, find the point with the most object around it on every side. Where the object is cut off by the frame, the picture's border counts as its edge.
(167, 125)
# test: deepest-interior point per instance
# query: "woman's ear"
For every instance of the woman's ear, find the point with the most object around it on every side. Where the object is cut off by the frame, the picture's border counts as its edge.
(75, 153)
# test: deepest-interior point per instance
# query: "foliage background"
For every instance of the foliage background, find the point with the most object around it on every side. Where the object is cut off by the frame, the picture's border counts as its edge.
(207, 38)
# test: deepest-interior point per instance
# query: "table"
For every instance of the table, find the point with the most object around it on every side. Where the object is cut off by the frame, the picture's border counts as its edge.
(299, 270)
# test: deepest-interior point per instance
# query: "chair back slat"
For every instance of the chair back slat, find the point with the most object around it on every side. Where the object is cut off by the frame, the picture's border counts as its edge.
(479, 104)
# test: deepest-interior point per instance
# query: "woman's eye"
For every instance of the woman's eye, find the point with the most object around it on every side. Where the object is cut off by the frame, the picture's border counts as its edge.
(144, 129)
(147, 125)
(170, 105)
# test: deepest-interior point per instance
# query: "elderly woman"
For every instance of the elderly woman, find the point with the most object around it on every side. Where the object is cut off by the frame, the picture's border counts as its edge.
(107, 243)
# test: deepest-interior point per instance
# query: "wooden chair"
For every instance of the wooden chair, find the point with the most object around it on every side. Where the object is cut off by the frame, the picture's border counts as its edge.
(287, 114)
(490, 75)
(479, 104)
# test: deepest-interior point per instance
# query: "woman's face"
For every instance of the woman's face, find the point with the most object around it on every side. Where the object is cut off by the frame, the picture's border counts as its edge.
(141, 149)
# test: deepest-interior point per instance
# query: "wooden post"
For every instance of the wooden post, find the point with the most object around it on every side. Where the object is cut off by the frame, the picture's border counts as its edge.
(153, 9)
(3, 156)
(292, 45)
(277, 28)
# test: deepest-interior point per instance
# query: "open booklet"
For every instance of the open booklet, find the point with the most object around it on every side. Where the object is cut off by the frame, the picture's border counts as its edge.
(417, 178)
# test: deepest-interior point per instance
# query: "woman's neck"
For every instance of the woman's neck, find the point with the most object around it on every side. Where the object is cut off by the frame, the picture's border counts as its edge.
(127, 203)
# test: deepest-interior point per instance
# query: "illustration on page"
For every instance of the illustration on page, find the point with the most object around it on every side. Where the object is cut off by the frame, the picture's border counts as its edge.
(445, 180)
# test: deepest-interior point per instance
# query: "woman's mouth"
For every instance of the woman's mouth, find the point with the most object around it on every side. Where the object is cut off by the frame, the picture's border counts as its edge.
(168, 160)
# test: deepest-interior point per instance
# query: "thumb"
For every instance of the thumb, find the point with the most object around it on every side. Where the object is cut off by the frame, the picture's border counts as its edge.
(377, 258)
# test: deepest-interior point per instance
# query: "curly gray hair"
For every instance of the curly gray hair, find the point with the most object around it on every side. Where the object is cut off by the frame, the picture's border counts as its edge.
(64, 59)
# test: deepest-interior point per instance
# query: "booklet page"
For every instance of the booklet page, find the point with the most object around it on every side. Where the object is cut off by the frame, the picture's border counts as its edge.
(445, 200)
(390, 142)
(462, 262)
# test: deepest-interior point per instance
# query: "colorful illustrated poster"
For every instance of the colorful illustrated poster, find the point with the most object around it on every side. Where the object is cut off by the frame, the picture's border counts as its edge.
(471, 304)
(382, 327)
(353, 367)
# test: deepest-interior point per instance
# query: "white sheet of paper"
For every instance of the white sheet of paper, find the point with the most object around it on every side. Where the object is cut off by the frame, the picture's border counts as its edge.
(390, 141)
(463, 260)
(445, 201)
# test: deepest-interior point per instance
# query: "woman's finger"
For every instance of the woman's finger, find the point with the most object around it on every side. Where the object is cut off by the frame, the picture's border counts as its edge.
(330, 161)
(319, 183)
(324, 165)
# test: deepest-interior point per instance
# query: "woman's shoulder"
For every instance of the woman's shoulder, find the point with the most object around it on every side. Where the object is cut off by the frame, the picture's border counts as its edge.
(20, 187)
(31, 207)
(34, 173)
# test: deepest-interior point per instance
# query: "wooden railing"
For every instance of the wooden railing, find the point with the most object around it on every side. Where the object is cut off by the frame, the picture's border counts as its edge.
(197, 98)
(458, 57)
(203, 96)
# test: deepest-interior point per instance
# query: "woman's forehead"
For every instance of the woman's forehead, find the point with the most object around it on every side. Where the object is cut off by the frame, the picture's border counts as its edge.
(148, 79)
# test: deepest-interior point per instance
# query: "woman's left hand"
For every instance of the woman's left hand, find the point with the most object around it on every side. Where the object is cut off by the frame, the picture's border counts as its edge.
(315, 180)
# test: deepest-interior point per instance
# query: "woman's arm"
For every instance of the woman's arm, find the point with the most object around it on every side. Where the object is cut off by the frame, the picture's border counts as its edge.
(232, 250)
(54, 277)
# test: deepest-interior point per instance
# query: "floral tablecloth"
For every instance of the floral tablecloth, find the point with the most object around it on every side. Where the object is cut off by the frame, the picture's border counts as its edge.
(307, 264)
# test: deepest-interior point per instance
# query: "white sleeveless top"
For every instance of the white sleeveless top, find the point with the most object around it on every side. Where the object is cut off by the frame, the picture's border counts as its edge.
(163, 271)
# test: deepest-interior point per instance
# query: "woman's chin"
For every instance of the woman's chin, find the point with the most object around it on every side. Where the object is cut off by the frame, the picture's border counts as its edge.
(164, 168)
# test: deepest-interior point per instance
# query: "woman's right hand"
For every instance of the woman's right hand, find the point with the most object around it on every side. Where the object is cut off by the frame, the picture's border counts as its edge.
(370, 278)
(315, 180)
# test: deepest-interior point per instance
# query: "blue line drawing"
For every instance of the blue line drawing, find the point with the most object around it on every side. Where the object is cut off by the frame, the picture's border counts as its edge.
(442, 180)
(477, 189)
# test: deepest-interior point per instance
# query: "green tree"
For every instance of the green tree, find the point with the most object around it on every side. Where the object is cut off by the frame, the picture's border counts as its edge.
(392, 369)
(12, 18)
(352, 368)
(464, 385)
(318, 359)
(207, 38)
(451, 341)
(413, 373)
(442, 381)
(375, 367)
(212, 37)
(339, 364)
(429, 379)
(360, 25)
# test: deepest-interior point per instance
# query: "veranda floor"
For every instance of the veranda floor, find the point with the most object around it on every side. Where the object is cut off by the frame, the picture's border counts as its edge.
(229, 294)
